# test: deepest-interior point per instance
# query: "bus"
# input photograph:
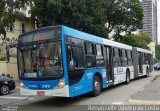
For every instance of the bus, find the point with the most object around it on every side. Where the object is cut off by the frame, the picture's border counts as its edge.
(65, 62)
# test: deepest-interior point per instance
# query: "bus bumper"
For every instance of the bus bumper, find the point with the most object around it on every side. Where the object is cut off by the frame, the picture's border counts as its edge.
(62, 92)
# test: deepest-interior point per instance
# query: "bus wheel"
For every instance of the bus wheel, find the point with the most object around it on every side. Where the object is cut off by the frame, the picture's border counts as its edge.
(147, 72)
(127, 77)
(97, 87)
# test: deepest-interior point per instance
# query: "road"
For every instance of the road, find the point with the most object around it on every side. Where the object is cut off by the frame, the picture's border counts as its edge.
(116, 95)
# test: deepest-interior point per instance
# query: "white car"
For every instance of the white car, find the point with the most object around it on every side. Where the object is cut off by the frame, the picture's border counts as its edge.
(157, 66)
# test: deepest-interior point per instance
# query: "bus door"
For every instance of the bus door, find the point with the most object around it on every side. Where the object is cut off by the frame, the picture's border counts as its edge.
(75, 63)
(140, 60)
(109, 68)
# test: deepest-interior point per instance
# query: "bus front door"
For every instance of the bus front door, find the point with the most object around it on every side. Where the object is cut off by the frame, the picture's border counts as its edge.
(109, 68)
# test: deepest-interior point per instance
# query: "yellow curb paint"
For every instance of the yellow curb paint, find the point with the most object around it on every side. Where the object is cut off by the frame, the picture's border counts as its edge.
(144, 101)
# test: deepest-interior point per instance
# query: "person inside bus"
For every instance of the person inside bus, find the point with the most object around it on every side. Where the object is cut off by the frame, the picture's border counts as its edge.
(71, 61)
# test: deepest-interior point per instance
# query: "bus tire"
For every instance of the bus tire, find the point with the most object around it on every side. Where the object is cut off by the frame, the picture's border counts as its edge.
(147, 72)
(97, 86)
(127, 77)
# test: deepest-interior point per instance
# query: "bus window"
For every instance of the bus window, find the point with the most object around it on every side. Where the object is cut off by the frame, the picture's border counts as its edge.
(74, 57)
(145, 60)
(89, 48)
(113, 52)
(70, 61)
(116, 58)
(126, 57)
(120, 52)
(123, 57)
(90, 57)
(78, 56)
(99, 56)
(129, 55)
(99, 50)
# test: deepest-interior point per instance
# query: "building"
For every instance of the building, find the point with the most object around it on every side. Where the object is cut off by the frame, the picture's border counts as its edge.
(12, 33)
(150, 18)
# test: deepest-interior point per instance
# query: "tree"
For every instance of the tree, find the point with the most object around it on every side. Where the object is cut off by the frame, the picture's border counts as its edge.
(8, 13)
(85, 15)
(157, 48)
(123, 16)
(142, 40)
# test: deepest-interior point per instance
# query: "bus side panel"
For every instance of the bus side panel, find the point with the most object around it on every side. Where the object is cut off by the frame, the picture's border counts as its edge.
(86, 83)
(119, 74)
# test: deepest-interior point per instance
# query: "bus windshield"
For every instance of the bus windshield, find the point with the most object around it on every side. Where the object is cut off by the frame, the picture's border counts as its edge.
(40, 61)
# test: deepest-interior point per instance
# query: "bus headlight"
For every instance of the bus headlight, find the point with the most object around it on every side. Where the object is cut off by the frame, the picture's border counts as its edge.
(61, 84)
(22, 85)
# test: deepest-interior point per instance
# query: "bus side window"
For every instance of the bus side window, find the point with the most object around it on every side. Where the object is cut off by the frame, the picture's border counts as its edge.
(90, 55)
(116, 58)
(129, 55)
(99, 56)
(70, 62)
(74, 57)
(78, 56)
(126, 58)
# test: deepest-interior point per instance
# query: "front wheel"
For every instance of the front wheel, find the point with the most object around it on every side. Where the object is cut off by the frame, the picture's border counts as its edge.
(4, 89)
(97, 87)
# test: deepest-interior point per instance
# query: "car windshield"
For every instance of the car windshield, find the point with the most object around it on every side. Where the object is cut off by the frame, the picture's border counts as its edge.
(40, 61)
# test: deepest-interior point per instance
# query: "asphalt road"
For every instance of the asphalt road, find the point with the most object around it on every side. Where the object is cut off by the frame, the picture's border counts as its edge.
(116, 95)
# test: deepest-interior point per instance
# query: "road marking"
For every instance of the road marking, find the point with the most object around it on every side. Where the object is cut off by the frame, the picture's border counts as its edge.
(117, 103)
(141, 90)
(12, 97)
(144, 101)
(31, 98)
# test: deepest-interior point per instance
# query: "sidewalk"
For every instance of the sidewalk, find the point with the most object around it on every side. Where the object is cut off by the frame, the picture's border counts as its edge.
(149, 95)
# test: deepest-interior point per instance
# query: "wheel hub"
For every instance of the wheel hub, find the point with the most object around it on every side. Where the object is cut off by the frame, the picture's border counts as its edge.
(4, 90)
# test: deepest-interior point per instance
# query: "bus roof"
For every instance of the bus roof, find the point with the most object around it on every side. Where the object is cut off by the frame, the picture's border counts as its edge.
(143, 50)
(81, 35)
(89, 37)
(116, 44)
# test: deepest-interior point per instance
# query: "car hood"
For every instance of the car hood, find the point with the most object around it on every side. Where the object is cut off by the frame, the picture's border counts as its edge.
(4, 78)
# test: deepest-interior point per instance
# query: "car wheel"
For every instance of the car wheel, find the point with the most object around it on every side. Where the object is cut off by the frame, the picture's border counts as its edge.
(4, 89)
(97, 87)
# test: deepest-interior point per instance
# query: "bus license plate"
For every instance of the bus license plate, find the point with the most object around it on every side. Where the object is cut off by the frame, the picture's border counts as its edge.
(40, 93)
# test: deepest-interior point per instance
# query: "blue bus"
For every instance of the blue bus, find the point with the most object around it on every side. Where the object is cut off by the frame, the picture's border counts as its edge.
(64, 62)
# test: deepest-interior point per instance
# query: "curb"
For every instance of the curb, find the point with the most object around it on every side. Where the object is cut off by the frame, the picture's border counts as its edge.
(144, 101)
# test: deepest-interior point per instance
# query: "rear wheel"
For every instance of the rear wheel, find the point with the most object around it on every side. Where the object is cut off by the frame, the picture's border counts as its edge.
(4, 89)
(97, 87)
(127, 77)
(147, 72)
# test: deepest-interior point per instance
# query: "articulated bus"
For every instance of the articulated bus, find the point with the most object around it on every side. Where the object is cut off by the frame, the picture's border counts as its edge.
(64, 62)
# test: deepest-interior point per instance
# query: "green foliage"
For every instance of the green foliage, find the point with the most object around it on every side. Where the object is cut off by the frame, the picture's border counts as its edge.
(123, 16)
(157, 48)
(85, 15)
(141, 40)
(8, 14)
